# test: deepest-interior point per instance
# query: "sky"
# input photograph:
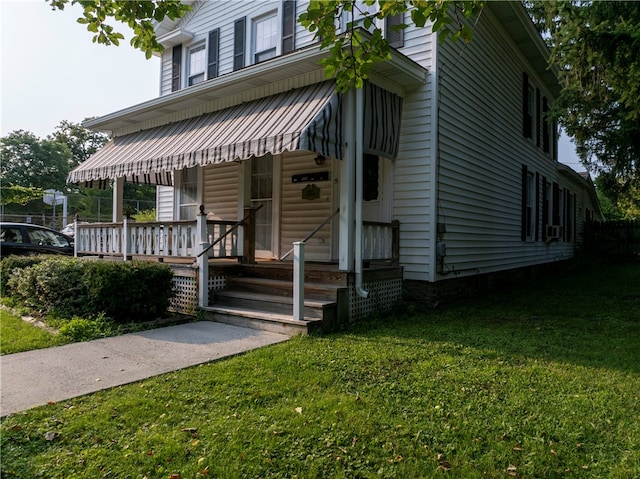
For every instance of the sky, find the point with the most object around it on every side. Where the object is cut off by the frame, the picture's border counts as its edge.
(51, 71)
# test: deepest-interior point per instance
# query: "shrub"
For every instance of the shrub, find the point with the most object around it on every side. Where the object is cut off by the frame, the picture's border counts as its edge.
(13, 262)
(130, 291)
(56, 285)
(86, 329)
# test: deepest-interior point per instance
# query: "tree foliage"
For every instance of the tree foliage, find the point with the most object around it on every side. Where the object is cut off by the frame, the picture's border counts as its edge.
(29, 161)
(81, 142)
(139, 15)
(19, 195)
(596, 47)
(338, 26)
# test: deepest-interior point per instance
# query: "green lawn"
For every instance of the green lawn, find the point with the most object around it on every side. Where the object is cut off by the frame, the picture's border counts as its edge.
(543, 382)
(17, 335)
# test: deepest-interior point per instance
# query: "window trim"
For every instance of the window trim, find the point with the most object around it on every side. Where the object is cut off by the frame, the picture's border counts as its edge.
(197, 47)
(270, 52)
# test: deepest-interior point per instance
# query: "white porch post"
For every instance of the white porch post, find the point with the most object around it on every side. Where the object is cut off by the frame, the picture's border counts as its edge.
(298, 280)
(203, 259)
(125, 239)
(347, 180)
(118, 199)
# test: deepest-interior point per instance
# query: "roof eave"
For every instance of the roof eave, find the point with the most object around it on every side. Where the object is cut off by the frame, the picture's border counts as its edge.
(399, 69)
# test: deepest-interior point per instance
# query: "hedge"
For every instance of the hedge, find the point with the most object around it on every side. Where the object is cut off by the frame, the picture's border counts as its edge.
(123, 291)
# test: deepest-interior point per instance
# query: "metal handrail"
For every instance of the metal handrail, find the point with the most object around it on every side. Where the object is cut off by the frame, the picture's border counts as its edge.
(242, 221)
(315, 230)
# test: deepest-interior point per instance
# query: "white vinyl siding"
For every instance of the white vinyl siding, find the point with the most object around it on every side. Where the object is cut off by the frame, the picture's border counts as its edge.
(299, 217)
(222, 15)
(412, 191)
(220, 188)
(482, 150)
(164, 203)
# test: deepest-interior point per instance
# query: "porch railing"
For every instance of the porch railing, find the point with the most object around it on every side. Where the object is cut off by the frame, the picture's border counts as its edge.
(381, 241)
(177, 239)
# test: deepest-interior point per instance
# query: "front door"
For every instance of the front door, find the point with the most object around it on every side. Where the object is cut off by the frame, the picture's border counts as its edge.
(262, 188)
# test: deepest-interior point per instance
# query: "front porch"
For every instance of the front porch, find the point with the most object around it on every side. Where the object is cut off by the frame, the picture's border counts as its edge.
(216, 272)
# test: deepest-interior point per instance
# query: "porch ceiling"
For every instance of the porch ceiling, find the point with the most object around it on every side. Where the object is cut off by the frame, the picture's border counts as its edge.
(399, 70)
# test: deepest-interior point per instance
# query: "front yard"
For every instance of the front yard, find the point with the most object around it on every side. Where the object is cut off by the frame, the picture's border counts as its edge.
(541, 382)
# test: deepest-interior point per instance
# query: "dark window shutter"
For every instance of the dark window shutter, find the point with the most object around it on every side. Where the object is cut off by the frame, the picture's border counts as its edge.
(554, 140)
(176, 67)
(536, 210)
(538, 101)
(288, 26)
(395, 37)
(545, 125)
(370, 177)
(526, 118)
(239, 43)
(545, 208)
(212, 54)
(523, 228)
(556, 204)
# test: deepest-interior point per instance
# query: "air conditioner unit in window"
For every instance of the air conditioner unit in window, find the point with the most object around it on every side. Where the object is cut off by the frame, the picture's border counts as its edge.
(554, 232)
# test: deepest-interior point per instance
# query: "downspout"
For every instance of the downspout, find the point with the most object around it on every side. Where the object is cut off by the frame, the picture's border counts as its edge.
(359, 138)
(435, 158)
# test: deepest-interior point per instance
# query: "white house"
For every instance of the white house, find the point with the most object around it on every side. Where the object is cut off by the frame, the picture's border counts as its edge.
(443, 167)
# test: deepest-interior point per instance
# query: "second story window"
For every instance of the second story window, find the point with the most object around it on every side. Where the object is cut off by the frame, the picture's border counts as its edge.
(197, 64)
(265, 37)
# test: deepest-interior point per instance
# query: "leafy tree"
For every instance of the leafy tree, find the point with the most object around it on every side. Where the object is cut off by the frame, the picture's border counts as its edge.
(139, 15)
(352, 54)
(19, 195)
(31, 162)
(596, 48)
(81, 142)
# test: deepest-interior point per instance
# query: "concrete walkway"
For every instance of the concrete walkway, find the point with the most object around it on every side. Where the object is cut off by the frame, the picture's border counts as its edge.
(34, 378)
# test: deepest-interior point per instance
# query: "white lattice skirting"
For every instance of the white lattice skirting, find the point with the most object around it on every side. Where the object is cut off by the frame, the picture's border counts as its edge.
(185, 300)
(382, 296)
(186, 297)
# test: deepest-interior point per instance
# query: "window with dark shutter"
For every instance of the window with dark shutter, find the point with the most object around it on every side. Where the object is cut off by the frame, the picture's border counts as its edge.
(527, 117)
(288, 26)
(370, 177)
(546, 193)
(536, 209)
(212, 54)
(176, 67)
(239, 35)
(523, 226)
(556, 204)
(394, 35)
(545, 125)
(538, 107)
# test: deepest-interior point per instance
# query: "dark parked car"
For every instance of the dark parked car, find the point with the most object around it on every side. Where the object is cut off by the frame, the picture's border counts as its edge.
(23, 239)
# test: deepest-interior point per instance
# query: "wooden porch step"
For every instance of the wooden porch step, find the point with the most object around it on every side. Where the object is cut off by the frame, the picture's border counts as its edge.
(314, 273)
(314, 308)
(318, 291)
(273, 322)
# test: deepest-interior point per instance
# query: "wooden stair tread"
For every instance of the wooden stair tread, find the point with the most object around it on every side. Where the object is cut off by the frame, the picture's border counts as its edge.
(278, 282)
(271, 298)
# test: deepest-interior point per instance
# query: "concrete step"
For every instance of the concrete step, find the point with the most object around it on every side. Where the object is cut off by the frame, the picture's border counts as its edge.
(273, 322)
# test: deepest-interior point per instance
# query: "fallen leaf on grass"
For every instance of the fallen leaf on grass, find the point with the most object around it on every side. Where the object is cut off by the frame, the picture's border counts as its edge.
(299, 410)
(52, 436)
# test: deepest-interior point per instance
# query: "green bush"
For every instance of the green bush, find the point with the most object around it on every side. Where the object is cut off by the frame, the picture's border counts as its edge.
(131, 291)
(12, 262)
(82, 329)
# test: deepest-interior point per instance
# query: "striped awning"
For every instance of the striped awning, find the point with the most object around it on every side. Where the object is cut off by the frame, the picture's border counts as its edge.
(308, 118)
